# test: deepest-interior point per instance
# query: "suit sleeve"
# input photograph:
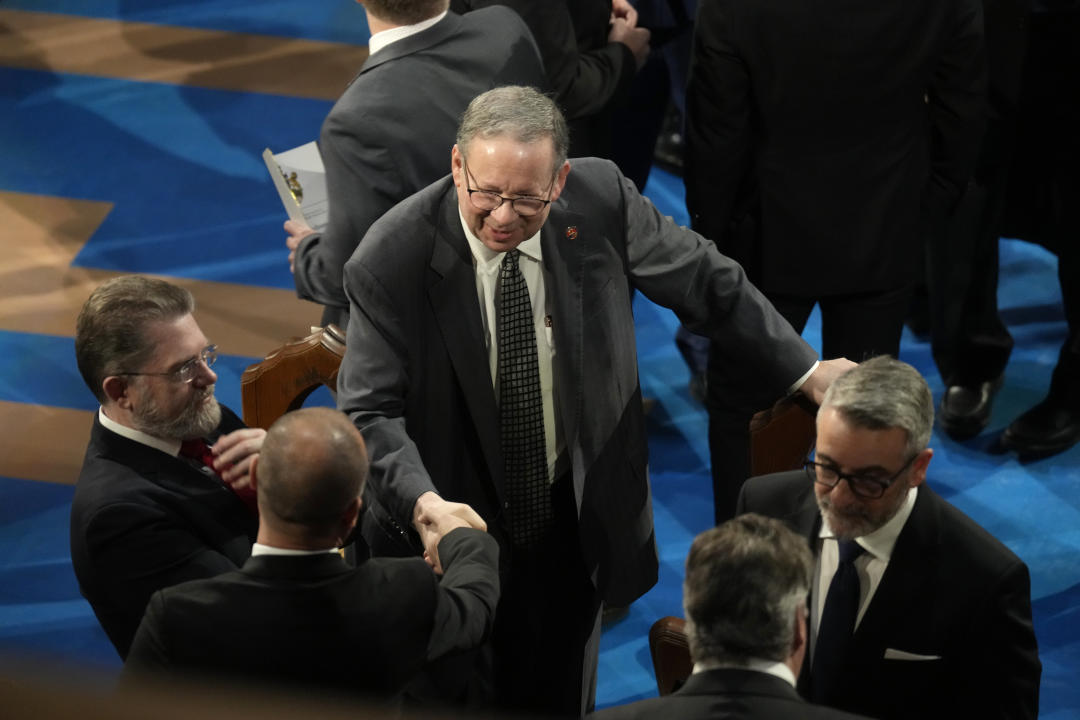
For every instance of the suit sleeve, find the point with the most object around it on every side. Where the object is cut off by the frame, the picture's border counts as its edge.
(1004, 683)
(362, 182)
(372, 386)
(719, 130)
(468, 592)
(679, 269)
(148, 650)
(957, 108)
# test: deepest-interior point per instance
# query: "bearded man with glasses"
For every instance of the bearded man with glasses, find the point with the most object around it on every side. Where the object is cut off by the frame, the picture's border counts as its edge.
(164, 494)
(915, 610)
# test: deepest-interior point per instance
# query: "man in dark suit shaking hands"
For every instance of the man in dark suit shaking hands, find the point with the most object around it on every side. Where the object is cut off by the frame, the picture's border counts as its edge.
(745, 600)
(297, 613)
(915, 610)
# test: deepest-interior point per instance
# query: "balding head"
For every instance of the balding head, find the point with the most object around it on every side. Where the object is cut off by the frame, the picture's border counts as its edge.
(309, 476)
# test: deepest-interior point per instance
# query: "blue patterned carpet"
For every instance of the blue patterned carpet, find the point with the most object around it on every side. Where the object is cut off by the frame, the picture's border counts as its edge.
(179, 163)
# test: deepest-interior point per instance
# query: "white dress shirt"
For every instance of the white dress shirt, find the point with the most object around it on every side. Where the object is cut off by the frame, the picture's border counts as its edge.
(870, 566)
(381, 39)
(170, 447)
(769, 667)
(487, 263)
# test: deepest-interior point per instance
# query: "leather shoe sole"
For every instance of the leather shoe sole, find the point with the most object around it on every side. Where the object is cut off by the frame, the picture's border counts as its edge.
(965, 410)
(1046, 429)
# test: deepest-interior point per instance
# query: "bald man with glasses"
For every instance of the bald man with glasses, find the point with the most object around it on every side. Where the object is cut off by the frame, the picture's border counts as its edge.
(915, 610)
(164, 494)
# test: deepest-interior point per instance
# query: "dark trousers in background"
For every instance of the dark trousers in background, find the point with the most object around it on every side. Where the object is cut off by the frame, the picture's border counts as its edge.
(853, 326)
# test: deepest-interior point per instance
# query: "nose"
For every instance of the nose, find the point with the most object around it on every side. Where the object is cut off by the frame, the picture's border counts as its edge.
(842, 495)
(205, 374)
(508, 213)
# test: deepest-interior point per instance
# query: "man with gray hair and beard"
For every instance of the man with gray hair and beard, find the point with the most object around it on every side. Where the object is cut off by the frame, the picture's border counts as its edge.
(915, 610)
(164, 494)
(745, 601)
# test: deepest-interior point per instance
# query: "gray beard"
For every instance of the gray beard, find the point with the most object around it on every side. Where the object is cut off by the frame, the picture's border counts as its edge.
(856, 526)
(196, 421)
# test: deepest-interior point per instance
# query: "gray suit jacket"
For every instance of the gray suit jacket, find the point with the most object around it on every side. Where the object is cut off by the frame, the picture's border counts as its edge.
(415, 376)
(952, 594)
(390, 133)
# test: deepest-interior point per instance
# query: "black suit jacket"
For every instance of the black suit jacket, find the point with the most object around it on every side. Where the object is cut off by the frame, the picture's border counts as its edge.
(416, 378)
(142, 520)
(589, 75)
(391, 132)
(314, 621)
(846, 129)
(951, 591)
(727, 694)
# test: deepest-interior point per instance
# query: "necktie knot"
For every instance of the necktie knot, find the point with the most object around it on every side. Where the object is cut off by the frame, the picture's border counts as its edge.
(849, 550)
(197, 449)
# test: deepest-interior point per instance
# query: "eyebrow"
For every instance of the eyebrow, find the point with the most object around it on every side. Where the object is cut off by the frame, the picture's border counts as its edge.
(856, 471)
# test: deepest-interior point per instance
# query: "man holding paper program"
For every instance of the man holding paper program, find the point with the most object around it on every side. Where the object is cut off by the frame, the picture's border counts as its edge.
(389, 134)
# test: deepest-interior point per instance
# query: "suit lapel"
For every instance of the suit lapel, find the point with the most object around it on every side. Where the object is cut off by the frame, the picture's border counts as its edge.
(562, 240)
(909, 569)
(457, 311)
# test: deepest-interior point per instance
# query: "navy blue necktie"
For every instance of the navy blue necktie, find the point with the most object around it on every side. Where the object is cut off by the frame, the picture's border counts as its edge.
(521, 410)
(837, 625)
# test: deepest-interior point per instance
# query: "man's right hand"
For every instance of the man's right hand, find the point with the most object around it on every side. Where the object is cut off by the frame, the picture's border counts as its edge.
(635, 38)
(433, 517)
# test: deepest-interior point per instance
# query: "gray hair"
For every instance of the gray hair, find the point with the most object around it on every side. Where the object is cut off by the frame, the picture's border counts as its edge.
(744, 582)
(523, 113)
(405, 12)
(111, 330)
(883, 393)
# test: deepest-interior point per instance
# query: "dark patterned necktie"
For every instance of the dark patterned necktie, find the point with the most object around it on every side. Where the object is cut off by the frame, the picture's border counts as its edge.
(521, 410)
(837, 625)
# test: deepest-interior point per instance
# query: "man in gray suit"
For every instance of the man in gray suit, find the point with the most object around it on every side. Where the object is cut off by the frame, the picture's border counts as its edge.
(436, 349)
(388, 134)
(746, 621)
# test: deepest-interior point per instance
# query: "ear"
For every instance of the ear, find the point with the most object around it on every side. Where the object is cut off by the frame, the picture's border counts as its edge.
(919, 465)
(116, 390)
(560, 181)
(349, 517)
(456, 168)
(799, 642)
(253, 472)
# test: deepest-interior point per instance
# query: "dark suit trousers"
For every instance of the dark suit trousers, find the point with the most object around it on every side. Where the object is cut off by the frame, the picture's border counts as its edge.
(547, 623)
(853, 326)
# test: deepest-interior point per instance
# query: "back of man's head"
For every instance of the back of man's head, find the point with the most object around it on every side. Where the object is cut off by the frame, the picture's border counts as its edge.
(405, 12)
(883, 393)
(746, 582)
(111, 331)
(523, 114)
(311, 468)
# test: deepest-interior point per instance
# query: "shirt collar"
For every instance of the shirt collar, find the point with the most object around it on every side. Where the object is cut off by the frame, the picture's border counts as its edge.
(170, 447)
(881, 542)
(487, 260)
(260, 549)
(380, 40)
(770, 667)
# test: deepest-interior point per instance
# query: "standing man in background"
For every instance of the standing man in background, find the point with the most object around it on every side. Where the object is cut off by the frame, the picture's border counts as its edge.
(388, 135)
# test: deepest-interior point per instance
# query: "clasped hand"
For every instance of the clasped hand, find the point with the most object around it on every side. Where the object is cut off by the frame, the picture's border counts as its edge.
(433, 517)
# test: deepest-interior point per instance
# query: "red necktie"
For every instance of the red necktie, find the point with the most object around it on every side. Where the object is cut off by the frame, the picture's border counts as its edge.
(198, 450)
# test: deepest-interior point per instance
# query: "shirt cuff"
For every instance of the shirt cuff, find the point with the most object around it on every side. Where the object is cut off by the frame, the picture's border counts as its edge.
(806, 376)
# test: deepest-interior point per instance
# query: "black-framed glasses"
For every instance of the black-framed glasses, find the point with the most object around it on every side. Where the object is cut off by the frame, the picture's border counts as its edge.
(186, 372)
(869, 486)
(490, 202)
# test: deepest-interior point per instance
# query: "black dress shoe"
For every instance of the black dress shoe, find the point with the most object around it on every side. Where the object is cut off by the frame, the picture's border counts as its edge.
(1046, 429)
(965, 410)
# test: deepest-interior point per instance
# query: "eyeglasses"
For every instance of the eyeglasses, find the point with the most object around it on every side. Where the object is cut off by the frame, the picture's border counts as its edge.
(490, 202)
(186, 372)
(865, 486)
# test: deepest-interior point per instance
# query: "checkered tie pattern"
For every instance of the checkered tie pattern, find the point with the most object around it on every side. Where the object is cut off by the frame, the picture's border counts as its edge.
(521, 411)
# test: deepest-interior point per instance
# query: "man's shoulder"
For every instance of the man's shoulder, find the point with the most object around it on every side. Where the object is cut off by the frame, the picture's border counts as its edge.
(495, 21)
(406, 232)
(777, 494)
(963, 542)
